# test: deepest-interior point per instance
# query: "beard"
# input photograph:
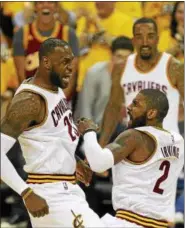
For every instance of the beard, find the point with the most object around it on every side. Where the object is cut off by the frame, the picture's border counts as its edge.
(55, 79)
(145, 56)
(138, 122)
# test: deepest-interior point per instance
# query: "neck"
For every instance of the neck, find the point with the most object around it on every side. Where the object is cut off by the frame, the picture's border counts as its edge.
(45, 27)
(149, 63)
(43, 82)
(155, 124)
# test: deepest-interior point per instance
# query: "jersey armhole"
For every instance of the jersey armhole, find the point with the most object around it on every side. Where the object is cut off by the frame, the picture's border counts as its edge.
(46, 106)
(152, 154)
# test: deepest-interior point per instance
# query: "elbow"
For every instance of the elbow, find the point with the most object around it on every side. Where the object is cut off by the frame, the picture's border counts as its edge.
(97, 168)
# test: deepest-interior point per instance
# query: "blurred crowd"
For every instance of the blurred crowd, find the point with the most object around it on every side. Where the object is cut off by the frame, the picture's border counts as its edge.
(98, 33)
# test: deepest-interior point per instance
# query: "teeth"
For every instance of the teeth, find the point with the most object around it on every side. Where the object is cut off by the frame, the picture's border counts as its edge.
(45, 11)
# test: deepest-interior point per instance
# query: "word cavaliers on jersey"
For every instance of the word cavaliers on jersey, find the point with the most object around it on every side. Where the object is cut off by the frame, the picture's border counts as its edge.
(50, 146)
(133, 80)
(149, 188)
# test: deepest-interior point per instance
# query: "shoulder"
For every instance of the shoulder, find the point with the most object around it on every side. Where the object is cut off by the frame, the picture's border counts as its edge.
(22, 111)
(27, 100)
(131, 135)
(175, 69)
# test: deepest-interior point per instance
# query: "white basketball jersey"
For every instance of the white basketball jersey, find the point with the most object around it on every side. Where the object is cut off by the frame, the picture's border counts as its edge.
(149, 188)
(133, 81)
(49, 148)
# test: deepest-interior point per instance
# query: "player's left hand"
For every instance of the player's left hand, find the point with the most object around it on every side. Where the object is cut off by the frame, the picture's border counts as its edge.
(83, 172)
(85, 125)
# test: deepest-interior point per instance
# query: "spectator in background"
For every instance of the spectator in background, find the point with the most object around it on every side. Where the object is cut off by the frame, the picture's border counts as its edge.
(132, 9)
(172, 39)
(24, 16)
(27, 41)
(76, 10)
(6, 25)
(108, 23)
(95, 92)
(160, 12)
(148, 68)
(91, 103)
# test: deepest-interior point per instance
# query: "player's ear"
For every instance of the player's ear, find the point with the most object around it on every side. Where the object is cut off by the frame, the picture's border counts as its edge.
(152, 114)
(47, 63)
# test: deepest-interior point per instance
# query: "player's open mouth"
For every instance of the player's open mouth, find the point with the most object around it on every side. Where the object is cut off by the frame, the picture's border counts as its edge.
(66, 79)
(46, 12)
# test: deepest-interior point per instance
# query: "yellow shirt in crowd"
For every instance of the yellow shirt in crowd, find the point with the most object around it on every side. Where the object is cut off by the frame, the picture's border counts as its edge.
(8, 75)
(11, 8)
(116, 25)
(158, 11)
(132, 9)
(167, 42)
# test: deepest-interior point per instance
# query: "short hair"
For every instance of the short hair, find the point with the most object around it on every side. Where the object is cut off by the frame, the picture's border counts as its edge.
(49, 45)
(145, 20)
(122, 42)
(157, 100)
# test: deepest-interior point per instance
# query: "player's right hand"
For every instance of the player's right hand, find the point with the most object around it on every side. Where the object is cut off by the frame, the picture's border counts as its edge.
(36, 205)
(118, 66)
(85, 125)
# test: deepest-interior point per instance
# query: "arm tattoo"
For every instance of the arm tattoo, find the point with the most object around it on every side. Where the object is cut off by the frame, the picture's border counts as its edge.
(176, 73)
(23, 109)
(125, 144)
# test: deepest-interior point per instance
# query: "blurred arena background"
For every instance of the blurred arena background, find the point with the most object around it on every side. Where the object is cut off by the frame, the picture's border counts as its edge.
(95, 26)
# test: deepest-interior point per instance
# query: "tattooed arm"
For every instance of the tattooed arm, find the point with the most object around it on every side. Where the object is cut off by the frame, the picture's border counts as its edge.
(125, 144)
(100, 159)
(176, 75)
(113, 108)
(24, 110)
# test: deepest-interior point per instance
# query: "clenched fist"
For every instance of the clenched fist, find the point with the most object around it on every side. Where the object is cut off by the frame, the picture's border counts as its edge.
(84, 125)
(36, 205)
(118, 66)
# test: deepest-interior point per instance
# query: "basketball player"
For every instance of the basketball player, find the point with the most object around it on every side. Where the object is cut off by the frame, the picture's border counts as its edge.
(39, 117)
(146, 161)
(147, 69)
(28, 39)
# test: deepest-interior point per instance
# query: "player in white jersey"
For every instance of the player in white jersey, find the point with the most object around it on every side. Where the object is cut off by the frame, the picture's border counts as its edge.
(39, 117)
(146, 161)
(147, 69)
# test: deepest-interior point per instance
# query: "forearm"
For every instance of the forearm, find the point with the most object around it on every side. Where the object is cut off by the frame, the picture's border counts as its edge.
(110, 121)
(99, 159)
(8, 172)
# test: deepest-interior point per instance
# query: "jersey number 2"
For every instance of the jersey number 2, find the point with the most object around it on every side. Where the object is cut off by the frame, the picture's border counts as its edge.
(165, 165)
